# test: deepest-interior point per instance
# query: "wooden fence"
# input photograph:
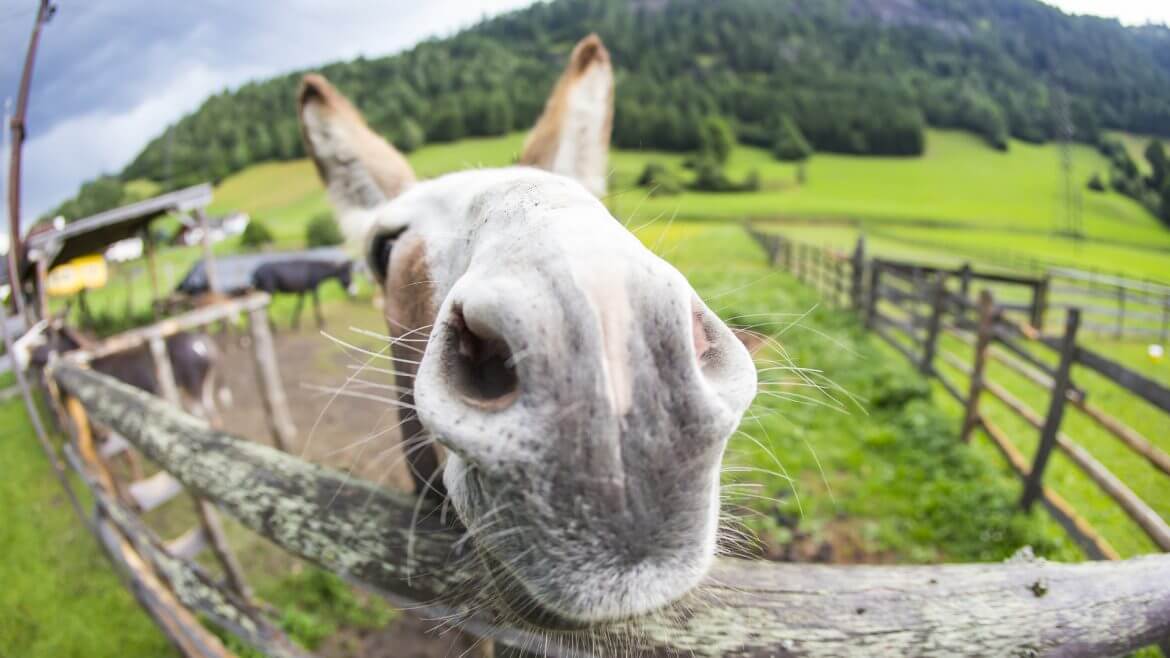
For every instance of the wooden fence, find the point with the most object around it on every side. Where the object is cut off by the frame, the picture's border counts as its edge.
(401, 547)
(912, 307)
(1111, 303)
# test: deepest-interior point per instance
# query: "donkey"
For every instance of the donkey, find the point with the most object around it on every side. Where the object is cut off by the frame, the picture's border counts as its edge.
(582, 393)
(301, 276)
(195, 361)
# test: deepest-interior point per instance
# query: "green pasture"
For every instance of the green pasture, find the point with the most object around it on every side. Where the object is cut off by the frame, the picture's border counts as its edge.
(961, 201)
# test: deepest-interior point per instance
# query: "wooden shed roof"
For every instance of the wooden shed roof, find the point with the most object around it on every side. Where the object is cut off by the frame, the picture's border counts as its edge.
(94, 233)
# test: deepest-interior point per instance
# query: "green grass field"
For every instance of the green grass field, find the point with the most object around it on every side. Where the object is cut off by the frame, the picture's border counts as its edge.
(871, 468)
(961, 195)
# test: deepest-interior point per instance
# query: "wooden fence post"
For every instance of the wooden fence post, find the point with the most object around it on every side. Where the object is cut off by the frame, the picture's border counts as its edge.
(1120, 311)
(875, 281)
(821, 270)
(858, 273)
(982, 343)
(965, 282)
(1060, 385)
(839, 294)
(1040, 303)
(271, 389)
(1166, 323)
(208, 518)
(930, 345)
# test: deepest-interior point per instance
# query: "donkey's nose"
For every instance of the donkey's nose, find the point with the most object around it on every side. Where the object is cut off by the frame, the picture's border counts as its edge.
(478, 360)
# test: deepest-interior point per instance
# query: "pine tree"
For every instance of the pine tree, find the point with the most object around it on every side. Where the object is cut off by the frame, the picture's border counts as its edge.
(789, 144)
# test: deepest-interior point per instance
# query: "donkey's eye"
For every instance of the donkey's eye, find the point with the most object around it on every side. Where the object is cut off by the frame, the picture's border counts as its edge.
(480, 365)
(380, 250)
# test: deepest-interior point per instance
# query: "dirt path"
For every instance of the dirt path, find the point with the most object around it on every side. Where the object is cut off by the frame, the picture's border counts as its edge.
(343, 432)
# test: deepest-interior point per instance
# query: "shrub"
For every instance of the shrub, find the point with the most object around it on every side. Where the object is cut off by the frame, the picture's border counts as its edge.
(710, 177)
(410, 136)
(789, 144)
(1096, 184)
(322, 231)
(659, 179)
(716, 139)
(256, 235)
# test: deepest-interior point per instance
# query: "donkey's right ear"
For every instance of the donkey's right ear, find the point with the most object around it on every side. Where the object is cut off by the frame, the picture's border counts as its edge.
(359, 168)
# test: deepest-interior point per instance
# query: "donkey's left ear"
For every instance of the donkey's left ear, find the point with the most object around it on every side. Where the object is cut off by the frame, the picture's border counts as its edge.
(360, 169)
(572, 135)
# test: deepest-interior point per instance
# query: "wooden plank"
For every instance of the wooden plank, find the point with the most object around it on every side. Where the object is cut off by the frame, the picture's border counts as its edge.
(83, 435)
(113, 446)
(154, 491)
(1079, 528)
(1059, 394)
(1040, 303)
(178, 624)
(934, 325)
(276, 410)
(1138, 384)
(1137, 510)
(213, 532)
(1127, 435)
(983, 339)
(193, 588)
(858, 273)
(199, 317)
(950, 387)
(756, 609)
(880, 329)
(188, 545)
(875, 286)
(1154, 525)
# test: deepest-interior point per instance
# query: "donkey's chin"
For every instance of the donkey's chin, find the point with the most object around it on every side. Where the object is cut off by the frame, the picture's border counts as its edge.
(552, 581)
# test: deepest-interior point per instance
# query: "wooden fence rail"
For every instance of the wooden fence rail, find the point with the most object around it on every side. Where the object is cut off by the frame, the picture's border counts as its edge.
(911, 305)
(1024, 607)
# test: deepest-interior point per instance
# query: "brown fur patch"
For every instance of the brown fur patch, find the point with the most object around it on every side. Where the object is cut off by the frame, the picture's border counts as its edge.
(408, 297)
(387, 167)
(540, 148)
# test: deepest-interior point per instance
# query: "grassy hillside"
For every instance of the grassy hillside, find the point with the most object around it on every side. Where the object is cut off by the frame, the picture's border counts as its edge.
(964, 197)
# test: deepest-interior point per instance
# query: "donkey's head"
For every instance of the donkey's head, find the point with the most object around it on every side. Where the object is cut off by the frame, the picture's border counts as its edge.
(582, 390)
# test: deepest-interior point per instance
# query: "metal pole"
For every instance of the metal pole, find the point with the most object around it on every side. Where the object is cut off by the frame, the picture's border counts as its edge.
(16, 125)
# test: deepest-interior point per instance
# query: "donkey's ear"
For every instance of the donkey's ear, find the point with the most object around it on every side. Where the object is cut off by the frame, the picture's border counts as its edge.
(360, 169)
(572, 135)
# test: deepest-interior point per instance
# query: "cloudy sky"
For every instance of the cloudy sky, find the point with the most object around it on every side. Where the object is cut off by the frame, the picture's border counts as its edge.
(111, 74)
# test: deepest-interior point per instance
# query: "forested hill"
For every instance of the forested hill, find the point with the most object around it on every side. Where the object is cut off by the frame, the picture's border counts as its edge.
(856, 76)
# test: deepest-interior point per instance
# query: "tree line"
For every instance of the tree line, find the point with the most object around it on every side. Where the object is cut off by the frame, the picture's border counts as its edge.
(862, 77)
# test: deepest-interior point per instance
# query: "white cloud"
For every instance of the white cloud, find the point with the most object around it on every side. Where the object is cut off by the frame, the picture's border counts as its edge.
(133, 80)
(86, 146)
(1130, 12)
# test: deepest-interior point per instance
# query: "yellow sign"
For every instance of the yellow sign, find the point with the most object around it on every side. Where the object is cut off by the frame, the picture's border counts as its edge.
(78, 274)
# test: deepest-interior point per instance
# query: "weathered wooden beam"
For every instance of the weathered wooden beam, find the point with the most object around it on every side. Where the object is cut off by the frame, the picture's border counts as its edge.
(399, 545)
(199, 317)
(280, 423)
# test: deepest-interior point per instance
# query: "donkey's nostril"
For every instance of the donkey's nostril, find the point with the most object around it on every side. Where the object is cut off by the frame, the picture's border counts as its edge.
(702, 342)
(480, 365)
